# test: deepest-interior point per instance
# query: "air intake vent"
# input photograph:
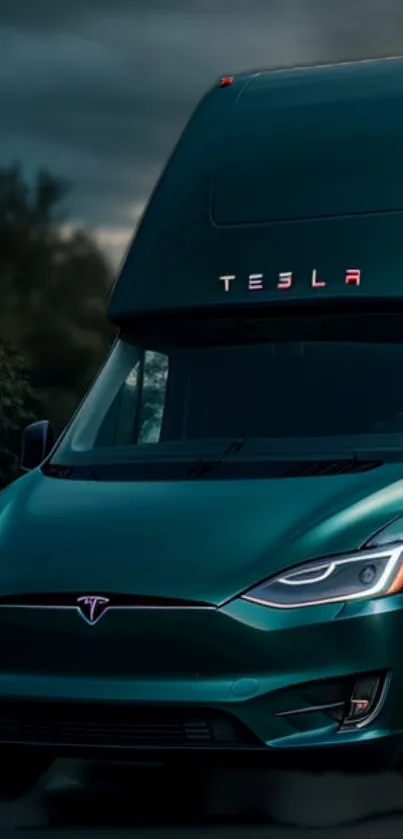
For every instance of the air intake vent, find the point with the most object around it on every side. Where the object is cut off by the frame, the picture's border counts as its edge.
(116, 727)
(315, 468)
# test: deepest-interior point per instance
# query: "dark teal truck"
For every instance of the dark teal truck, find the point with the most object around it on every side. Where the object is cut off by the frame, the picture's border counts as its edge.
(208, 564)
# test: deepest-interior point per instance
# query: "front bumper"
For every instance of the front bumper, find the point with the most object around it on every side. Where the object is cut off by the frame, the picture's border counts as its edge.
(200, 683)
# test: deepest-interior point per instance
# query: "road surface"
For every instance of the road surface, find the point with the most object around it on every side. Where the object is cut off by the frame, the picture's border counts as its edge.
(81, 801)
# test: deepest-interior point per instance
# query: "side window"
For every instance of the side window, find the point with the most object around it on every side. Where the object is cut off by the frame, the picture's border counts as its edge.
(152, 403)
(136, 413)
(118, 426)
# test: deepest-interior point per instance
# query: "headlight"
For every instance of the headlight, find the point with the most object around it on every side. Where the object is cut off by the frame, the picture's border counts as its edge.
(371, 572)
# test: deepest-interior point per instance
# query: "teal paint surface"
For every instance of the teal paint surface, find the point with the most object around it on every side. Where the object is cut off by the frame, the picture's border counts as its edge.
(209, 541)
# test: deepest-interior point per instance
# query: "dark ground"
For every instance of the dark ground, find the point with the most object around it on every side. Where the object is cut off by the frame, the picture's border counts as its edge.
(119, 802)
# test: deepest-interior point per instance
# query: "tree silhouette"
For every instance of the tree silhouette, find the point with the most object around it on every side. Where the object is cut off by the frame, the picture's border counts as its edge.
(17, 409)
(54, 290)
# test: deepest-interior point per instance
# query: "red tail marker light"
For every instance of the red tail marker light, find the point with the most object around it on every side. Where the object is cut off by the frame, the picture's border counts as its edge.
(226, 81)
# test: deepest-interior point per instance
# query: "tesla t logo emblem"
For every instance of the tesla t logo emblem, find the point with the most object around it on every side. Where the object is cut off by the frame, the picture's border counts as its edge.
(91, 608)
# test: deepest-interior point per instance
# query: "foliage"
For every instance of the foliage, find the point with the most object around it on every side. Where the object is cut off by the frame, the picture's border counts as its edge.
(153, 395)
(18, 407)
(54, 289)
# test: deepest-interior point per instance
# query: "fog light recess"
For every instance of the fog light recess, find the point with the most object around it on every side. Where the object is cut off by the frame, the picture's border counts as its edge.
(365, 703)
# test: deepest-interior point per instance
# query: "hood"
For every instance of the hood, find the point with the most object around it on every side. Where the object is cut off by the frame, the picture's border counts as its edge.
(206, 540)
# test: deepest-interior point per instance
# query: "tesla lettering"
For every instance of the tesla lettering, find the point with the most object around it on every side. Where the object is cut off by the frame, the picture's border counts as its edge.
(286, 279)
(353, 276)
(227, 280)
(315, 283)
(255, 282)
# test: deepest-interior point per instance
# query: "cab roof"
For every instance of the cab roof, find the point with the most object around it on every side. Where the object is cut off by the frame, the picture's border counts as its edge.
(316, 66)
(284, 171)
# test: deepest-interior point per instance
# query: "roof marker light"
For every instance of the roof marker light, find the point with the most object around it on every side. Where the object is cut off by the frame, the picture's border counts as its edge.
(225, 81)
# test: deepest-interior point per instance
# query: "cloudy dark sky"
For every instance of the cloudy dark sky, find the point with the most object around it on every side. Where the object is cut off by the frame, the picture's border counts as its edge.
(99, 90)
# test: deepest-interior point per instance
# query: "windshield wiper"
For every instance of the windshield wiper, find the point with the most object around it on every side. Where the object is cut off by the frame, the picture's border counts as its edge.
(53, 470)
(337, 461)
(201, 467)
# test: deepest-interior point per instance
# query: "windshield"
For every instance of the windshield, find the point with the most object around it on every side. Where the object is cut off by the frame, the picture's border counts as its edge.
(328, 382)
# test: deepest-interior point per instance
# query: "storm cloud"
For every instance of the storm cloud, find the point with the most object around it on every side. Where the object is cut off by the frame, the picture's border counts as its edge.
(99, 91)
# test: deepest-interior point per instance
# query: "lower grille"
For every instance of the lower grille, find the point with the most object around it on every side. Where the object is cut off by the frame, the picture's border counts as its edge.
(124, 728)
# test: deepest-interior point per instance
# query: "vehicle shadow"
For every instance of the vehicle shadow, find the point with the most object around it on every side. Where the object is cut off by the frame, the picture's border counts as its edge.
(120, 795)
(288, 805)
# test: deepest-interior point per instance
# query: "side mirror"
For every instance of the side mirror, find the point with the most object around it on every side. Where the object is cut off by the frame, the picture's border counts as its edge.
(37, 442)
